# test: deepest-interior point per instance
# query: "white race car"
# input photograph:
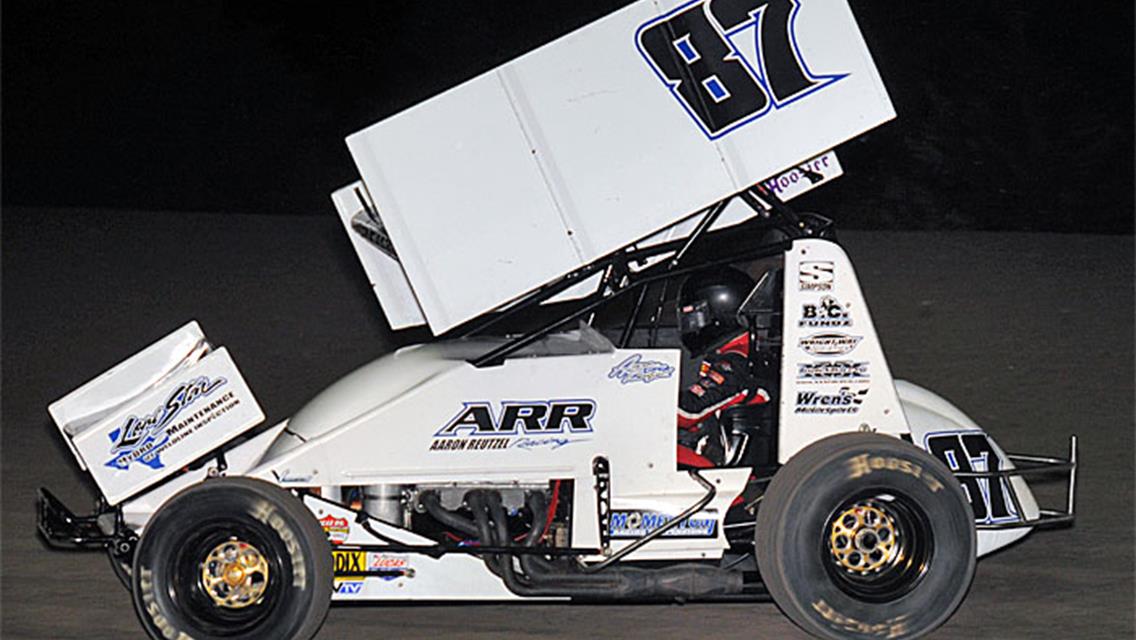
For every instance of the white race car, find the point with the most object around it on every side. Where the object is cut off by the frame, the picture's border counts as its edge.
(538, 219)
(544, 465)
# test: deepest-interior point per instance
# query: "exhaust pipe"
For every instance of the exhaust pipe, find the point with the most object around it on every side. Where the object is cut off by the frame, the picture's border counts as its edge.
(539, 577)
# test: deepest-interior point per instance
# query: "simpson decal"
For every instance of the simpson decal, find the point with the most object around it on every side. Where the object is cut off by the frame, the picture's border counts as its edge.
(816, 276)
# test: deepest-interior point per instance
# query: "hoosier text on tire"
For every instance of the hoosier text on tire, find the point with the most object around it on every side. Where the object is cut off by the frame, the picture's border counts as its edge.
(865, 536)
(232, 558)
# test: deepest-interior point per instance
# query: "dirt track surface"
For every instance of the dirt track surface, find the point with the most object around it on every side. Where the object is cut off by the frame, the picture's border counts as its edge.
(1031, 334)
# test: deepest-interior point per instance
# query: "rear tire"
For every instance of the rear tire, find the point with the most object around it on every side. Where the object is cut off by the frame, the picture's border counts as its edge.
(865, 536)
(232, 558)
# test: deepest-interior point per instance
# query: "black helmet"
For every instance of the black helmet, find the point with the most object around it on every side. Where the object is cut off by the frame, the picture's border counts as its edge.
(708, 305)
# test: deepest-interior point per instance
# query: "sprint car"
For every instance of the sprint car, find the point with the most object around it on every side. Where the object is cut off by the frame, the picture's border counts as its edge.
(521, 456)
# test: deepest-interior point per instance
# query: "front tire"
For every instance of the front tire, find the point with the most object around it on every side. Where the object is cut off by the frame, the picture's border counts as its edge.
(232, 558)
(865, 536)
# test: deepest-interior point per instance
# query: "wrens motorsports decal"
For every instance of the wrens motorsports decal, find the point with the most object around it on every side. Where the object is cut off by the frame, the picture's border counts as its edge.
(844, 401)
(144, 439)
(526, 425)
(636, 369)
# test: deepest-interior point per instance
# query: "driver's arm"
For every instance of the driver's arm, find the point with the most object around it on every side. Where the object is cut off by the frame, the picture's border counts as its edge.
(723, 381)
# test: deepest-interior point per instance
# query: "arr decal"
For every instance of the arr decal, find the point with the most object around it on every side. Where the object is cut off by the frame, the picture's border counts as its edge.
(829, 344)
(476, 427)
(143, 439)
(636, 369)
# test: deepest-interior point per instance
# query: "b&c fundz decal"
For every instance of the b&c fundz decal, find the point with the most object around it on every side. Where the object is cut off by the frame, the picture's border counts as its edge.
(701, 53)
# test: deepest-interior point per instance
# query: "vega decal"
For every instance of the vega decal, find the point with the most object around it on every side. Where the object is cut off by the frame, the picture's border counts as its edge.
(844, 401)
(829, 344)
(730, 62)
(630, 524)
(969, 451)
(636, 369)
(835, 371)
(143, 439)
(827, 314)
(524, 425)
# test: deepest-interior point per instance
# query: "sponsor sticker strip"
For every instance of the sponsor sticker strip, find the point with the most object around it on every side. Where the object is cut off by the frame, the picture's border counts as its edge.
(632, 524)
(826, 313)
(542, 424)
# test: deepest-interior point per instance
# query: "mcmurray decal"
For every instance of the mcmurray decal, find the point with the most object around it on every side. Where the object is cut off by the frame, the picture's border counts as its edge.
(636, 524)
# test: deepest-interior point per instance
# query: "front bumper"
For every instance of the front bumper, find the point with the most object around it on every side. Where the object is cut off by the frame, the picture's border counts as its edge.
(1033, 466)
(60, 527)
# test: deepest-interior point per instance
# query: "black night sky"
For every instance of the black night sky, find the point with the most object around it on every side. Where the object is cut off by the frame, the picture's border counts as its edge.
(1014, 114)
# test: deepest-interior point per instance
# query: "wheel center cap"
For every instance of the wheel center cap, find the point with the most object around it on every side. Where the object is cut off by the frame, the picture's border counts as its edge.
(234, 575)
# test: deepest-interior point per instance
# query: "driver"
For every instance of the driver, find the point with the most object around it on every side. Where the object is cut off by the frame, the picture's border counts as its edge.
(708, 306)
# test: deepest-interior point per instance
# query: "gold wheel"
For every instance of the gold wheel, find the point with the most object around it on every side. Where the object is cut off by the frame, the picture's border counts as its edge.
(234, 574)
(864, 539)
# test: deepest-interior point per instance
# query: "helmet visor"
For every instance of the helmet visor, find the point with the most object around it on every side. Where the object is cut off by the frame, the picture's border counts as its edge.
(693, 320)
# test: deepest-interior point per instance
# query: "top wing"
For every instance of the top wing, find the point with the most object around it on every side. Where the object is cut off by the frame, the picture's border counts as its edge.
(608, 136)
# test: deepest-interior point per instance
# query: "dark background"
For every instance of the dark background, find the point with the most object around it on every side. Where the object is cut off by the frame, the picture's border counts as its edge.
(1014, 114)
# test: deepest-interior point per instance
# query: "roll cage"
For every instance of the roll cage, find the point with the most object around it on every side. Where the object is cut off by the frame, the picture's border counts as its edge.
(635, 269)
